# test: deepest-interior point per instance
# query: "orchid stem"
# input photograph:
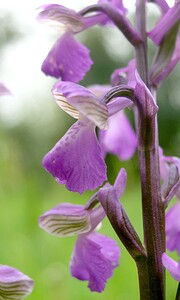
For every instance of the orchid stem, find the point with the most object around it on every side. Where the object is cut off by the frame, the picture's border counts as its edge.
(150, 270)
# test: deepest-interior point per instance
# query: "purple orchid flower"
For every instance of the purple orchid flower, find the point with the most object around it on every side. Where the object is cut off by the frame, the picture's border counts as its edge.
(95, 256)
(76, 160)
(97, 264)
(68, 59)
(14, 284)
(172, 266)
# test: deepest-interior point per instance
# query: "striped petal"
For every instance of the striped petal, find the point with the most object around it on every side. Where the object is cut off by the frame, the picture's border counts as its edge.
(65, 220)
(76, 100)
(14, 284)
(61, 15)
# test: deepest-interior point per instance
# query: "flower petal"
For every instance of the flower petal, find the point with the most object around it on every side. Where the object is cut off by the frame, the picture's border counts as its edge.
(165, 24)
(76, 160)
(94, 258)
(173, 228)
(66, 219)
(120, 138)
(14, 284)
(172, 266)
(68, 59)
(61, 15)
(74, 98)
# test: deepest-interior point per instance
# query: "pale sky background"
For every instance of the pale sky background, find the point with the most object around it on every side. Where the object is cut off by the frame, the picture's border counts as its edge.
(21, 63)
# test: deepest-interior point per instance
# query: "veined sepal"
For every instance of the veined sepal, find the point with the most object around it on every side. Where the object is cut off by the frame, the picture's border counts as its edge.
(76, 100)
(66, 220)
(59, 15)
(14, 284)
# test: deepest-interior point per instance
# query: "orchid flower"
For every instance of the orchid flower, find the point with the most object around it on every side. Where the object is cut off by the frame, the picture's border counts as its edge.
(76, 160)
(94, 256)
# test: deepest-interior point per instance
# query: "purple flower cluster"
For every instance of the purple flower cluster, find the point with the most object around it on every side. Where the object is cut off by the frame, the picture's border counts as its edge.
(78, 158)
(94, 256)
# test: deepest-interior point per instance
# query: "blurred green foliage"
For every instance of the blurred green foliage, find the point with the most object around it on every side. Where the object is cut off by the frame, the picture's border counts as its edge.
(26, 190)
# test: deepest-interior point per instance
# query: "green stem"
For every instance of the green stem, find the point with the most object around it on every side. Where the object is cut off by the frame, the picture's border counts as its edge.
(151, 271)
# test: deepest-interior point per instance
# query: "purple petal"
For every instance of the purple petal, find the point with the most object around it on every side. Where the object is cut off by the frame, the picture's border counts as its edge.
(62, 15)
(99, 90)
(97, 19)
(96, 215)
(76, 160)
(120, 138)
(14, 284)
(172, 266)
(173, 228)
(66, 219)
(94, 258)
(75, 99)
(118, 104)
(68, 59)
(165, 24)
(4, 91)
